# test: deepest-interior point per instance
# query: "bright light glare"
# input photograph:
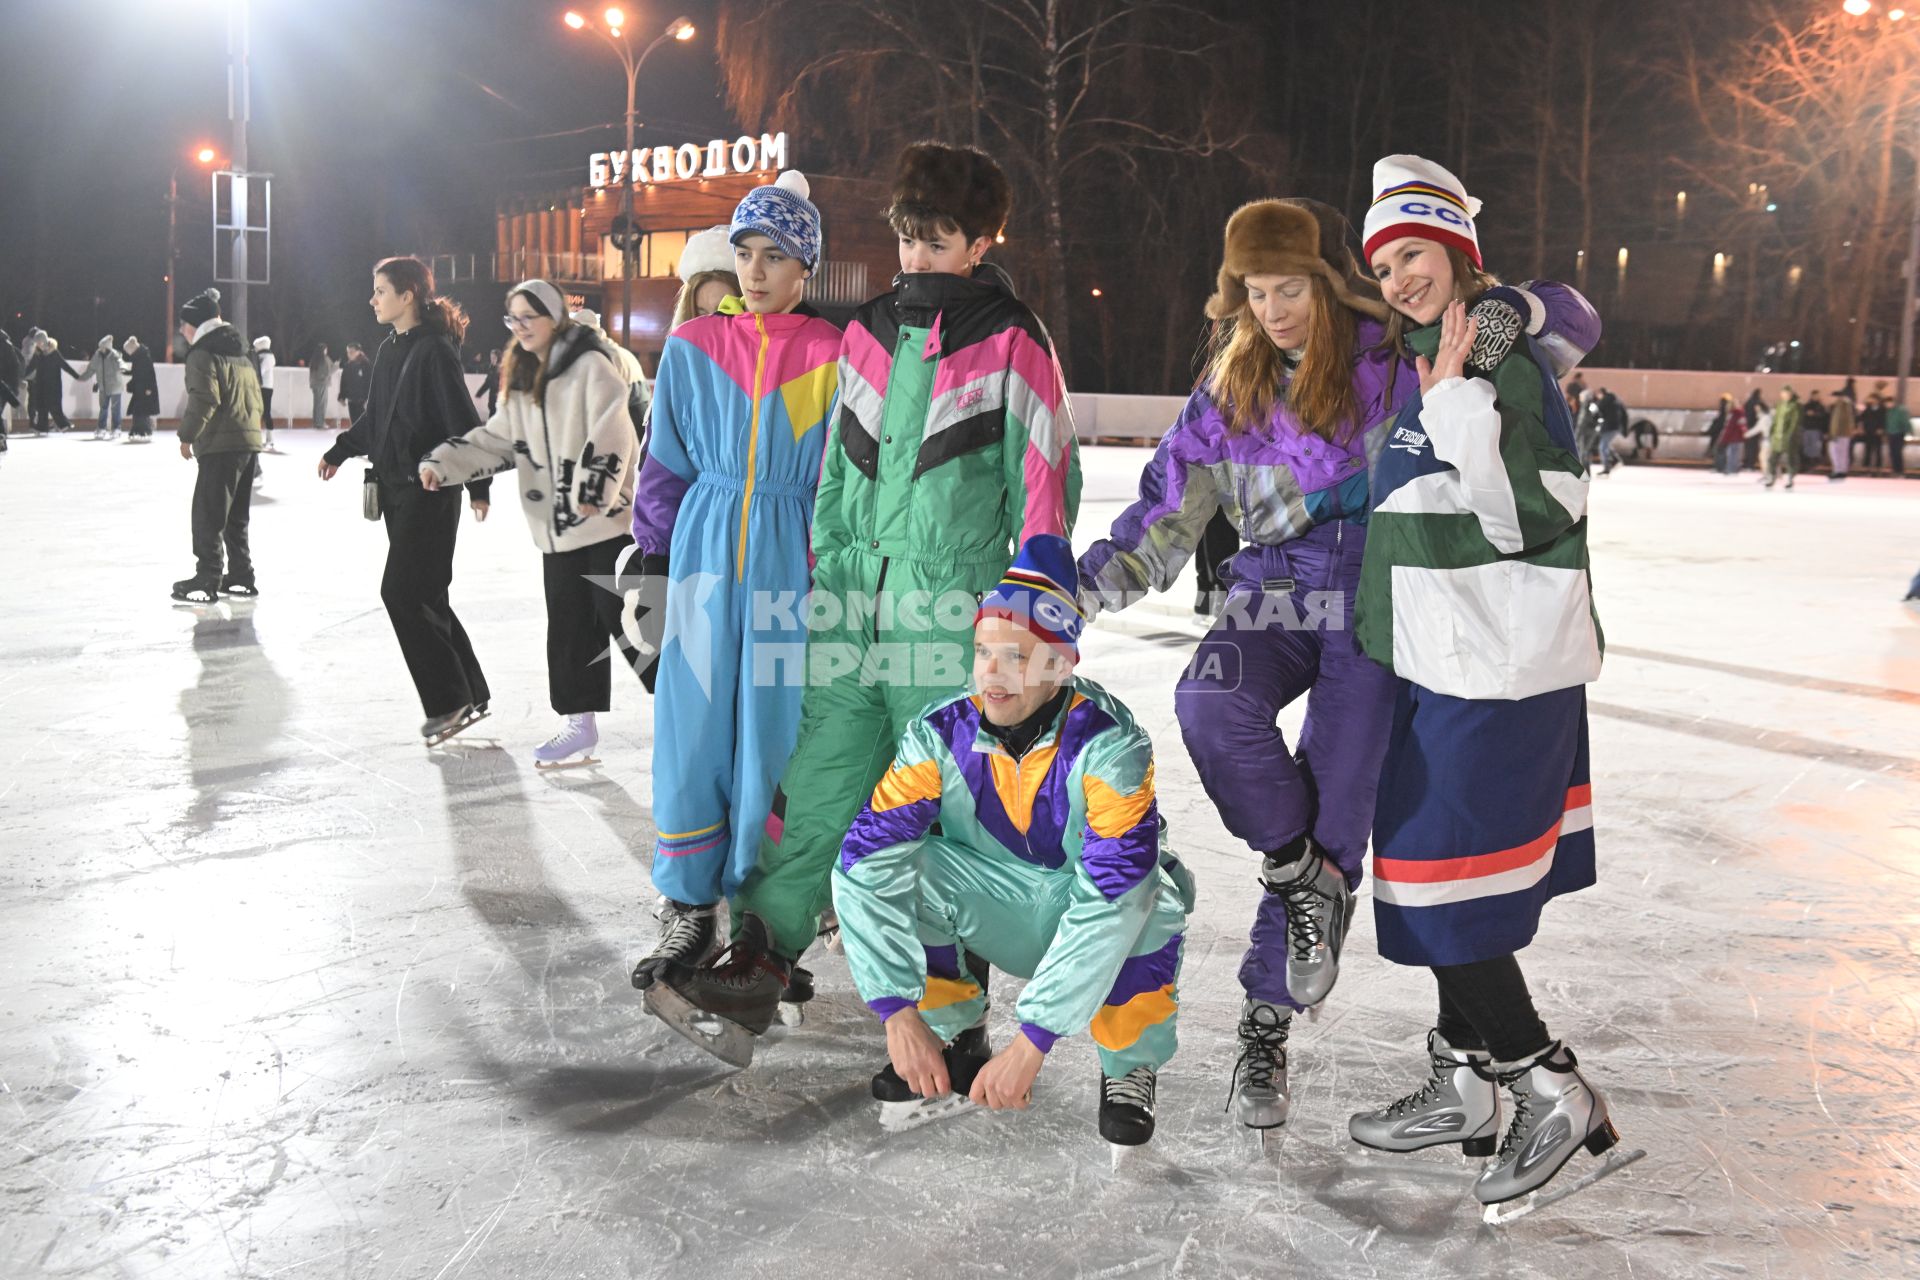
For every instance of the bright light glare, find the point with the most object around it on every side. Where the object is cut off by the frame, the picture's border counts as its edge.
(1857, 7)
(1096, 293)
(205, 155)
(615, 18)
(574, 20)
(683, 30)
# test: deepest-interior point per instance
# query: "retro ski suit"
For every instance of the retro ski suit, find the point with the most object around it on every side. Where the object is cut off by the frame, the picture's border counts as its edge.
(740, 413)
(1054, 867)
(954, 445)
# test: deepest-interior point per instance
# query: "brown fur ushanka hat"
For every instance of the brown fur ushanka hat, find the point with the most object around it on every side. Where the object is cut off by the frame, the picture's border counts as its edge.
(1291, 238)
(939, 183)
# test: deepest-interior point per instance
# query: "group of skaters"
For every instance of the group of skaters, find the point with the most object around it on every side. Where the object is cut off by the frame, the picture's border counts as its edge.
(840, 561)
(34, 374)
(1791, 435)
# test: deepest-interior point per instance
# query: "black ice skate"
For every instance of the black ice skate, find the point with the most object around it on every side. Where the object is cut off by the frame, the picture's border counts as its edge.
(903, 1110)
(440, 728)
(197, 591)
(234, 585)
(725, 1006)
(687, 937)
(1126, 1107)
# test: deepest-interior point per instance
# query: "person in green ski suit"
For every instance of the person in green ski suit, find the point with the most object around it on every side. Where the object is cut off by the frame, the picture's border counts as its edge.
(954, 445)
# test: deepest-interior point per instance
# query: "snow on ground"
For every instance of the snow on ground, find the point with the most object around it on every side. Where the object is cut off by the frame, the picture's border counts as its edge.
(288, 995)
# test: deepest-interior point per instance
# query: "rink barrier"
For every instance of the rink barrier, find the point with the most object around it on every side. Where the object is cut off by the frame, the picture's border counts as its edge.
(1679, 402)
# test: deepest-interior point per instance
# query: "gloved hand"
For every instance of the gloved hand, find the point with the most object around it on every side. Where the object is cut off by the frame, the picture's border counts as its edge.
(642, 582)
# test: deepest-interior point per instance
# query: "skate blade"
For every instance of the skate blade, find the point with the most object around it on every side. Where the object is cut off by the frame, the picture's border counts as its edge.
(456, 730)
(727, 1041)
(905, 1117)
(791, 1014)
(555, 766)
(1499, 1215)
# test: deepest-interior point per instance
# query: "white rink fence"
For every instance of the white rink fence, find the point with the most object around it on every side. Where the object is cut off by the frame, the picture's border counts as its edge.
(1680, 403)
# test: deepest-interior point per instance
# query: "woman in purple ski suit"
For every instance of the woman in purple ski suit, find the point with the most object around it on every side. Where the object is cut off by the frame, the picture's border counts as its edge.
(1277, 436)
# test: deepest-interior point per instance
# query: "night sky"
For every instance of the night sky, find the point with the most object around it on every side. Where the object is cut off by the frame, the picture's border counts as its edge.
(391, 126)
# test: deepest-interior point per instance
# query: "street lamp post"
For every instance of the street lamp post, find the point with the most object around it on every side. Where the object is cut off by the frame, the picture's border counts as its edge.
(204, 156)
(615, 34)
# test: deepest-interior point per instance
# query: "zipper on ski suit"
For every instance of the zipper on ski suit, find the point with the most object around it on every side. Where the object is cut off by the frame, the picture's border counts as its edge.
(753, 445)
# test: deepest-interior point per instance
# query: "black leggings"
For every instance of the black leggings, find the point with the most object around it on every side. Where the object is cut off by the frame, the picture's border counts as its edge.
(1486, 1005)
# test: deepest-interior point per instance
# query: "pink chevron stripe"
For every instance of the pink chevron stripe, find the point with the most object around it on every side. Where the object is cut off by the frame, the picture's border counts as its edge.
(866, 357)
(1046, 495)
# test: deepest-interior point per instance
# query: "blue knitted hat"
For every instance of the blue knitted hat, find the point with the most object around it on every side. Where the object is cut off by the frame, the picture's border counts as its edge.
(1040, 591)
(783, 214)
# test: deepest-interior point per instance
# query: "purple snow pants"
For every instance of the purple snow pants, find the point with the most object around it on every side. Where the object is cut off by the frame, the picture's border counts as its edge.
(1287, 630)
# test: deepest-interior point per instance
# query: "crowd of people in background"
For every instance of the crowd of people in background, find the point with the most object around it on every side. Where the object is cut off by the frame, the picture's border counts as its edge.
(1790, 436)
(126, 388)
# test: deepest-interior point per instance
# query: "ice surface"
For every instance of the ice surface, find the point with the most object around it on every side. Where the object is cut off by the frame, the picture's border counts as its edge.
(289, 995)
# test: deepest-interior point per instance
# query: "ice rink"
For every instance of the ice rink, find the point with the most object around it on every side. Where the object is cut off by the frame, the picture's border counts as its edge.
(289, 995)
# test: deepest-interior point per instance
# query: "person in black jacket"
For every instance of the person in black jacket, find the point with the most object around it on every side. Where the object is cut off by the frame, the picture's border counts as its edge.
(144, 388)
(356, 381)
(420, 399)
(49, 392)
(9, 378)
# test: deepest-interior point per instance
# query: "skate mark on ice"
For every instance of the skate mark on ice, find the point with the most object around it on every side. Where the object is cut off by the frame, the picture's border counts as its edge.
(1820, 684)
(1775, 741)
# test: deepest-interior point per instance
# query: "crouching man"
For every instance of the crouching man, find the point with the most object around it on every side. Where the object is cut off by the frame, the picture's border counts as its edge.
(1050, 863)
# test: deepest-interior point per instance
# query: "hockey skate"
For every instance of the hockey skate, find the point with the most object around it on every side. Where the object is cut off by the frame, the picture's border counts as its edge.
(725, 1006)
(1460, 1102)
(1319, 909)
(1260, 1075)
(572, 747)
(1555, 1113)
(197, 591)
(688, 936)
(440, 728)
(1126, 1107)
(902, 1110)
(234, 585)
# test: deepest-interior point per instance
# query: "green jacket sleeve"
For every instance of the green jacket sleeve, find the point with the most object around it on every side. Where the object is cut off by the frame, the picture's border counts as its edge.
(203, 396)
(829, 527)
(876, 879)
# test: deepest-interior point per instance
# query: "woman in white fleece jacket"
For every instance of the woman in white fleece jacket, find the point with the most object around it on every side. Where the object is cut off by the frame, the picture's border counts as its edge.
(562, 423)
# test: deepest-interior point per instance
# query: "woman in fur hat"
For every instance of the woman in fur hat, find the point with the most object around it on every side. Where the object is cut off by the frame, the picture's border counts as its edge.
(1475, 592)
(1276, 436)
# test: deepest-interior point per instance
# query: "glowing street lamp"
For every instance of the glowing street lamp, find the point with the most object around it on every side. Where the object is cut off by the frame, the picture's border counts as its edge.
(1858, 8)
(680, 29)
(205, 157)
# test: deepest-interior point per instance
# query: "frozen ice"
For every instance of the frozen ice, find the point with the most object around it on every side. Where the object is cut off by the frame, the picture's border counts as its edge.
(288, 994)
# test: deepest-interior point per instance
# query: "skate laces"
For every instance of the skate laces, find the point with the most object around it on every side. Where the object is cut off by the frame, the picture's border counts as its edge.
(1134, 1089)
(1263, 1050)
(683, 932)
(1304, 903)
(1427, 1092)
(1522, 1110)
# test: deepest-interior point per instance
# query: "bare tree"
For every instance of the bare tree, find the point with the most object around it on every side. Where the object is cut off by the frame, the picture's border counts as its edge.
(1812, 124)
(1072, 96)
